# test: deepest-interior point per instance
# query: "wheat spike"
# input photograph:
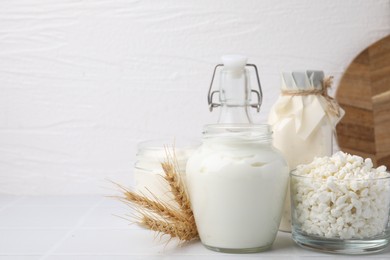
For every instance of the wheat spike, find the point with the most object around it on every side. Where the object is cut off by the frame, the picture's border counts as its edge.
(177, 186)
(157, 207)
(182, 230)
(163, 218)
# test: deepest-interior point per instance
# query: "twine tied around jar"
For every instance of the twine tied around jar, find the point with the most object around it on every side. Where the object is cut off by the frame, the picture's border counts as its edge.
(333, 106)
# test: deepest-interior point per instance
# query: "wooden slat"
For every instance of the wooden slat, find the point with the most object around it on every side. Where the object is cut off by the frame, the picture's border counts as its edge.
(358, 116)
(356, 144)
(355, 131)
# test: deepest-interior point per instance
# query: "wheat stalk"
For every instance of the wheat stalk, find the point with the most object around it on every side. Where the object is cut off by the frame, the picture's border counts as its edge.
(161, 217)
(177, 187)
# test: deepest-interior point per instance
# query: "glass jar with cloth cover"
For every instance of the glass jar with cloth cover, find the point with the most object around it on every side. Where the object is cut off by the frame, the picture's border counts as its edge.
(303, 121)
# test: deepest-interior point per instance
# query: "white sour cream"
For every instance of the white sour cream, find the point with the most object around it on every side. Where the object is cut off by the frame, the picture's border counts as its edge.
(237, 190)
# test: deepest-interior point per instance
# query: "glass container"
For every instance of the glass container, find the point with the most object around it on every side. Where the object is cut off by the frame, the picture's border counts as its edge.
(348, 216)
(303, 120)
(237, 183)
(148, 173)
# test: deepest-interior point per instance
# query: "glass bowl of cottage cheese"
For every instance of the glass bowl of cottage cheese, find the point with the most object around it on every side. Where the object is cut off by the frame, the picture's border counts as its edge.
(341, 204)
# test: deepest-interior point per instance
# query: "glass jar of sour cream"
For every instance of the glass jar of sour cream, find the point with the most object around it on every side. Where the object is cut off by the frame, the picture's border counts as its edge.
(237, 183)
(148, 173)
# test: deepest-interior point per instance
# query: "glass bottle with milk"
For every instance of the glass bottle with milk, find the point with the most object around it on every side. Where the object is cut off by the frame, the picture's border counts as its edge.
(236, 179)
(303, 119)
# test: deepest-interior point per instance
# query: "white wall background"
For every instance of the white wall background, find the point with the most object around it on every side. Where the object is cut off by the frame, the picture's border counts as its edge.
(82, 81)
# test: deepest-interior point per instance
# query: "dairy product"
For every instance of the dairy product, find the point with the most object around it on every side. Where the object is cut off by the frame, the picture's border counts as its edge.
(303, 119)
(148, 173)
(237, 184)
(341, 196)
(298, 150)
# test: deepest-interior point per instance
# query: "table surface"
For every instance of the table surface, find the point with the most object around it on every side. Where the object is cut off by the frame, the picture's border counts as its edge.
(95, 227)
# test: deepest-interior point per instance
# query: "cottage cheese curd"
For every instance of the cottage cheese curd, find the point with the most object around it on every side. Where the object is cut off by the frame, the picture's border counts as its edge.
(341, 196)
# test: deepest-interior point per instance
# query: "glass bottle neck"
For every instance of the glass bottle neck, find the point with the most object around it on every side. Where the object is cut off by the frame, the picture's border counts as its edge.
(234, 115)
(235, 97)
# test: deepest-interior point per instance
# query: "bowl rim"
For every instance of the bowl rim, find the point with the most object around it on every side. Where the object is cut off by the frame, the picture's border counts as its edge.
(293, 174)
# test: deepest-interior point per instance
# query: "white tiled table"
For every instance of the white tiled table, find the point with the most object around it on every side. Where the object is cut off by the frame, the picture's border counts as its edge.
(85, 228)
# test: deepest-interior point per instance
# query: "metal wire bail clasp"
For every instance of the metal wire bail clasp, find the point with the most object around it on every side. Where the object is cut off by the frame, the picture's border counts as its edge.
(258, 93)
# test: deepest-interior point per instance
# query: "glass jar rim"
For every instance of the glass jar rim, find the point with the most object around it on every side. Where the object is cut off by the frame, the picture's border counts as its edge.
(242, 131)
(162, 143)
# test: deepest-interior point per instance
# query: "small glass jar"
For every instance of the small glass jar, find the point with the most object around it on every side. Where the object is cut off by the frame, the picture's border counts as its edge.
(237, 183)
(347, 216)
(148, 173)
